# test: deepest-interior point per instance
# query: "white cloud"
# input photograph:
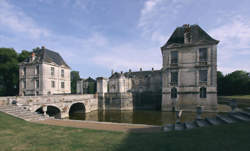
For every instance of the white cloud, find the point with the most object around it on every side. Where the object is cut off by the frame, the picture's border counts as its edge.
(128, 56)
(13, 18)
(157, 15)
(234, 38)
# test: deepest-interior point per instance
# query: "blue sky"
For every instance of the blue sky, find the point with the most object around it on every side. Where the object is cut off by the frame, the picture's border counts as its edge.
(96, 36)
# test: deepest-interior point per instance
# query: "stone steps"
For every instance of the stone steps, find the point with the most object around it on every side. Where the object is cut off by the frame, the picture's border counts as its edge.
(22, 113)
(241, 116)
(201, 123)
(214, 121)
(226, 119)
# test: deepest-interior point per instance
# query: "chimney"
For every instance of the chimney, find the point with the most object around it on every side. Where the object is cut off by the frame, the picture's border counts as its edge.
(187, 34)
(140, 69)
(129, 70)
(33, 56)
(121, 72)
(43, 47)
(112, 72)
(152, 69)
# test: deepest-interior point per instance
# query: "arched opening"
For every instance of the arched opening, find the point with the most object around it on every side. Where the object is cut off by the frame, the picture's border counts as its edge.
(203, 92)
(77, 111)
(51, 111)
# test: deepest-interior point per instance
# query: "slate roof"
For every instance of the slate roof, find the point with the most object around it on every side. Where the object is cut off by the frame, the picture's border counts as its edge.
(135, 74)
(49, 56)
(199, 36)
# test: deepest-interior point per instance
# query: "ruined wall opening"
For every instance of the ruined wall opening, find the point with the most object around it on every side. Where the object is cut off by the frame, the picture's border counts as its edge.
(51, 111)
(77, 111)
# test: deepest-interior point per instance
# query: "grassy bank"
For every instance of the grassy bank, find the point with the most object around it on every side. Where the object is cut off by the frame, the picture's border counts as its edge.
(247, 97)
(16, 134)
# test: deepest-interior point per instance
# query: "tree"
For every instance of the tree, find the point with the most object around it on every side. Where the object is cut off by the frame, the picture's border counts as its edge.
(220, 78)
(236, 83)
(74, 75)
(8, 72)
(23, 55)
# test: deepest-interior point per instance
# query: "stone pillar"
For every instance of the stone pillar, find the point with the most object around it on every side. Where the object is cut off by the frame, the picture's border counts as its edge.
(44, 110)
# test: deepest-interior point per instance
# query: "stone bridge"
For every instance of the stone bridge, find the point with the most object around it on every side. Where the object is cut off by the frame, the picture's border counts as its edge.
(55, 105)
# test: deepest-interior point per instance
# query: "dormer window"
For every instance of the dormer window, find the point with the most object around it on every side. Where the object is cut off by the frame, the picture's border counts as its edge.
(203, 54)
(174, 57)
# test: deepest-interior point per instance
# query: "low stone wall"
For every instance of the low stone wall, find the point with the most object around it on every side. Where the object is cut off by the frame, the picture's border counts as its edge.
(118, 101)
(62, 102)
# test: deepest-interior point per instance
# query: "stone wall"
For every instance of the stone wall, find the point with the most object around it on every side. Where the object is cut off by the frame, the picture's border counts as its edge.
(62, 102)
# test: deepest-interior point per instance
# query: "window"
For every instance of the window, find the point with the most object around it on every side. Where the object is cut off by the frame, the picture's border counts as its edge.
(173, 93)
(52, 84)
(37, 69)
(174, 57)
(203, 54)
(62, 84)
(37, 83)
(52, 71)
(203, 75)
(203, 92)
(24, 71)
(62, 73)
(24, 84)
(174, 77)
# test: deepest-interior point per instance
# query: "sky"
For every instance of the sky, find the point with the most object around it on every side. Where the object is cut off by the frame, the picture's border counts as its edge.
(97, 36)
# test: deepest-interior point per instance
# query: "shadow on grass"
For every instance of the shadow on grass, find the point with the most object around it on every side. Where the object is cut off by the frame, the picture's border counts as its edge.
(234, 137)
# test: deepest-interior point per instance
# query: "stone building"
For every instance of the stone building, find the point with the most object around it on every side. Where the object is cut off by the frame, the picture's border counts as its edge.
(131, 90)
(44, 73)
(189, 74)
(86, 86)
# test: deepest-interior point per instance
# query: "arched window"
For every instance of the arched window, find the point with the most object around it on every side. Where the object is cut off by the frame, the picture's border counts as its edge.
(173, 93)
(203, 92)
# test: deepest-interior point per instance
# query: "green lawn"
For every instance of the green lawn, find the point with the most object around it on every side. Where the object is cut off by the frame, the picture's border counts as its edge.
(238, 97)
(16, 134)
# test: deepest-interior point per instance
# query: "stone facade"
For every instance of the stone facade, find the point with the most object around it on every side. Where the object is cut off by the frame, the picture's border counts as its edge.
(130, 90)
(86, 86)
(44, 73)
(189, 74)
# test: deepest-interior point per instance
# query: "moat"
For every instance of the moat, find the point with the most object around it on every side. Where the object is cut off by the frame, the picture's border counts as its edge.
(149, 117)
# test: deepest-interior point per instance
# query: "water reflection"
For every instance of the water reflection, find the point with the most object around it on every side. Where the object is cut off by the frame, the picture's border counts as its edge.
(137, 117)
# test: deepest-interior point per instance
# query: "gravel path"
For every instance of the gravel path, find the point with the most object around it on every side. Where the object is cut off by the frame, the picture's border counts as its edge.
(102, 125)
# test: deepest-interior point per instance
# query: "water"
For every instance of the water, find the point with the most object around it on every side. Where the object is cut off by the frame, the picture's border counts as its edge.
(137, 116)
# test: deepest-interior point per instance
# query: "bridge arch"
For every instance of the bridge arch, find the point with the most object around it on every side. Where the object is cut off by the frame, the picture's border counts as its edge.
(51, 110)
(77, 111)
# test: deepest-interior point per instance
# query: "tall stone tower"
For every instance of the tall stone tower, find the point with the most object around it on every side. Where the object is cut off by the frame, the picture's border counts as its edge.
(189, 74)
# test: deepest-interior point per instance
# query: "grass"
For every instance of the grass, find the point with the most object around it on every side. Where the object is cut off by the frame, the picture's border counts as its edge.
(16, 134)
(247, 97)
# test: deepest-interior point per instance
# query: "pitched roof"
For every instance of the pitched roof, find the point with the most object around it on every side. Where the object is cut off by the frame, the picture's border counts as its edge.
(199, 36)
(49, 56)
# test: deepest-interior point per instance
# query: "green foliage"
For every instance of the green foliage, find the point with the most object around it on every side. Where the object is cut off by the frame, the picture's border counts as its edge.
(74, 76)
(92, 87)
(9, 75)
(235, 83)
(8, 72)
(23, 55)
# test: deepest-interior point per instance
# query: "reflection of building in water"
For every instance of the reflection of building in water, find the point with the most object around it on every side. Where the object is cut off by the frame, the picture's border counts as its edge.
(188, 78)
